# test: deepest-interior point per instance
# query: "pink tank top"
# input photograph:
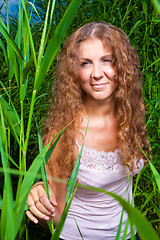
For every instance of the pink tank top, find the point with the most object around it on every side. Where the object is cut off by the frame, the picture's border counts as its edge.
(97, 214)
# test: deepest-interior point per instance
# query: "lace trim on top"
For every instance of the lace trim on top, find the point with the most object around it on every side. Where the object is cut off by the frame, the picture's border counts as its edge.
(99, 160)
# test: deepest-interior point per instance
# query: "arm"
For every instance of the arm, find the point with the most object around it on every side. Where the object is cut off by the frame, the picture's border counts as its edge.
(60, 190)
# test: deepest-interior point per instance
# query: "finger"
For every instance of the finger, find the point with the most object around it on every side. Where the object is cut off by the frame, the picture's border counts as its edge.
(52, 197)
(37, 213)
(31, 217)
(44, 206)
(50, 206)
(32, 197)
(53, 200)
(35, 206)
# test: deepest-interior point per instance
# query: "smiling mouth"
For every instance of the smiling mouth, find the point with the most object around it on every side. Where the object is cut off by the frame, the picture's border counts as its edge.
(99, 85)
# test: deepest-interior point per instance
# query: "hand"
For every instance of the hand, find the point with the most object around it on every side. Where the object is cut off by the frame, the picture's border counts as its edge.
(39, 204)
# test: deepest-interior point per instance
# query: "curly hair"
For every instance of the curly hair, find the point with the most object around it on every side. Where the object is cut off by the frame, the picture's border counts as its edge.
(69, 98)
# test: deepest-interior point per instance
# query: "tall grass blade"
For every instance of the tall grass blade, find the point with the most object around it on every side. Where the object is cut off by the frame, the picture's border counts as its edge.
(51, 15)
(156, 175)
(26, 20)
(14, 67)
(132, 233)
(78, 228)
(10, 101)
(73, 177)
(33, 6)
(9, 39)
(43, 39)
(119, 227)
(155, 111)
(156, 4)
(12, 161)
(55, 42)
(29, 179)
(4, 52)
(44, 174)
(153, 63)
(145, 230)
(60, 224)
(23, 90)
(126, 230)
(11, 118)
(134, 27)
(3, 206)
(19, 35)
(27, 68)
(8, 193)
(51, 18)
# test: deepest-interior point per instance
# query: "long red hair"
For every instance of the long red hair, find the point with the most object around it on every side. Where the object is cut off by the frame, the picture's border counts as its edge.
(68, 97)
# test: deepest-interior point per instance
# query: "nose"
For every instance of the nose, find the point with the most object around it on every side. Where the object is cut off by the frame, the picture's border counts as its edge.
(97, 72)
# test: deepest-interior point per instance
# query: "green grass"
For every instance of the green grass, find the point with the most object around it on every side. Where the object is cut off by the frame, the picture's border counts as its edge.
(27, 61)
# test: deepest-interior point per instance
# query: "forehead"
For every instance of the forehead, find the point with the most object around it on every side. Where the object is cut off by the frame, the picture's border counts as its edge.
(93, 46)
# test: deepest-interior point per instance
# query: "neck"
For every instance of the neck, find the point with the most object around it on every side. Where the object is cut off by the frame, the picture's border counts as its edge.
(94, 108)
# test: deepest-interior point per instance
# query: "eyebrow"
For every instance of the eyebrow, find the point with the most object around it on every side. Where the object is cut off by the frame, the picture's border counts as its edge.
(88, 59)
(107, 55)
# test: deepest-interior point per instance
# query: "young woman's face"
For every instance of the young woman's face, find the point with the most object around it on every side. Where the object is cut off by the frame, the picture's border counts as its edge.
(96, 73)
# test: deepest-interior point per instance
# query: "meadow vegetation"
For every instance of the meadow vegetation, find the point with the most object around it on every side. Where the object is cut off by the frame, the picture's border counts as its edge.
(27, 60)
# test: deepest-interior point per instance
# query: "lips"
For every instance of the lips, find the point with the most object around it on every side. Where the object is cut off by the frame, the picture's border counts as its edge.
(99, 85)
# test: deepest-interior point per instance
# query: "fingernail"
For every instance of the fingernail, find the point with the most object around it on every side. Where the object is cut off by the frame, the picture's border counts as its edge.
(53, 202)
(53, 215)
(52, 209)
(35, 221)
(46, 218)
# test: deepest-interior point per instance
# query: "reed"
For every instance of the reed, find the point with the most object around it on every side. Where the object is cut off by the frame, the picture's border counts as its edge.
(21, 57)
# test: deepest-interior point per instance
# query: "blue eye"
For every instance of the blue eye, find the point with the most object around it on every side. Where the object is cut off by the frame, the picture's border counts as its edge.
(85, 63)
(106, 60)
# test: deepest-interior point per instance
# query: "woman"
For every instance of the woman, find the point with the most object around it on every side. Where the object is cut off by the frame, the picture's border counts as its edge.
(97, 79)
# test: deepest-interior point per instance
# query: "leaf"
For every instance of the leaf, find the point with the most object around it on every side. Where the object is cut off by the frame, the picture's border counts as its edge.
(9, 39)
(27, 24)
(156, 4)
(73, 177)
(144, 229)
(70, 188)
(60, 224)
(155, 111)
(33, 6)
(126, 229)
(27, 68)
(12, 161)
(23, 90)
(12, 105)
(29, 179)
(14, 66)
(4, 52)
(7, 207)
(134, 27)
(55, 43)
(156, 174)
(78, 227)
(157, 60)
(118, 235)
(44, 37)
(11, 118)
